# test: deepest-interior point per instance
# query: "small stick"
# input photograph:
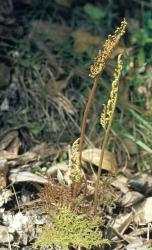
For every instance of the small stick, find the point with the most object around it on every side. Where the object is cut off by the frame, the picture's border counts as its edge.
(9, 243)
(16, 197)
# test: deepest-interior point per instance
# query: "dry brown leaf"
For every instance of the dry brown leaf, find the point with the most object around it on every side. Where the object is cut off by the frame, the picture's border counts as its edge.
(14, 146)
(54, 87)
(92, 156)
(62, 166)
(121, 183)
(83, 40)
(65, 104)
(60, 177)
(131, 198)
(134, 243)
(9, 146)
(58, 169)
(143, 212)
(7, 139)
(39, 152)
(3, 173)
(140, 231)
(4, 233)
(8, 155)
(16, 177)
(122, 222)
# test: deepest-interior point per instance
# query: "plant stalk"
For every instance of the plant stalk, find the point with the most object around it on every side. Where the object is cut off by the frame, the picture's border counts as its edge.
(86, 111)
(103, 147)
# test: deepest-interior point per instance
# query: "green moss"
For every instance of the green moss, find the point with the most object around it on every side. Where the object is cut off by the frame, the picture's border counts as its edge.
(71, 229)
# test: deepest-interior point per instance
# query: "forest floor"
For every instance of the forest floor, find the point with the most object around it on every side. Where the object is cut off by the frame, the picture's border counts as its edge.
(46, 49)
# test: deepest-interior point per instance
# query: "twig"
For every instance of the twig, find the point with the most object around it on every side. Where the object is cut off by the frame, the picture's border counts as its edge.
(16, 197)
(120, 236)
(9, 243)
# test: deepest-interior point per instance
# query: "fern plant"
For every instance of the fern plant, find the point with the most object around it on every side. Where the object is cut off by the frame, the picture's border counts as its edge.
(71, 229)
(71, 223)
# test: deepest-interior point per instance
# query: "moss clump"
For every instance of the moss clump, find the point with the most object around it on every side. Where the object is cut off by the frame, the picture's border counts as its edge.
(70, 228)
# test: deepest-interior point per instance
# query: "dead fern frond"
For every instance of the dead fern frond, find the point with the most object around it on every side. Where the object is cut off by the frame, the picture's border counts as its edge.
(53, 194)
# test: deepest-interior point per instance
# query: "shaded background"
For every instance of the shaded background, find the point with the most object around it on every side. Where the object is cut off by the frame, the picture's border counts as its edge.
(46, 49)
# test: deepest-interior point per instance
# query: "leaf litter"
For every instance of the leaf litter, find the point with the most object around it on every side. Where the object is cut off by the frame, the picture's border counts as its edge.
(22, 163)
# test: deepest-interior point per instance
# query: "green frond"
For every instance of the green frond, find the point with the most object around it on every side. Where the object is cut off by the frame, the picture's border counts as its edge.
(70, 229)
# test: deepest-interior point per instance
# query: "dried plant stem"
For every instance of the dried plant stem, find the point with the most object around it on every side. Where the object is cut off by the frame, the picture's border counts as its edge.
(86, 111)
(103, 147)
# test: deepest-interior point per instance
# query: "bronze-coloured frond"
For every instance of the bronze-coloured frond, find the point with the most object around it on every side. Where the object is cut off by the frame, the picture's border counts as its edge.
(108, 47)
(76, 174)
(108, 109)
